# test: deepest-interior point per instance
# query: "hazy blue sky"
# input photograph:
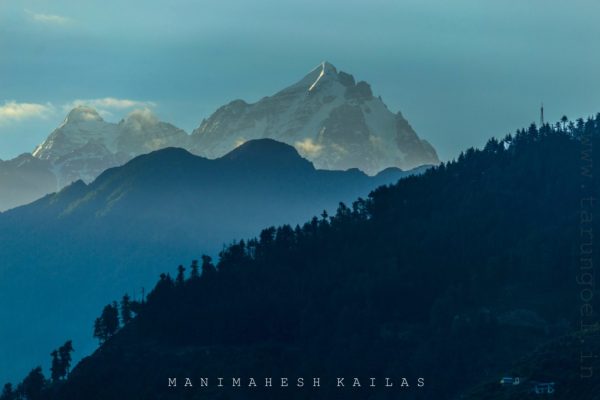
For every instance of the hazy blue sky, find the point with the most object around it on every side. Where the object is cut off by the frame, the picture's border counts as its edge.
(460, 71)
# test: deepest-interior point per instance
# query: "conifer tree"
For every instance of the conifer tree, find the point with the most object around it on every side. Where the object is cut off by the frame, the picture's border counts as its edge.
(64, 353)
(112, 319)
(55, 369)
(208, 269)
(180, 280)
(195, 274)
(108, 323)
(33, 384)
(126, 310)
(8, 393)
(564, 121)
(99, 331)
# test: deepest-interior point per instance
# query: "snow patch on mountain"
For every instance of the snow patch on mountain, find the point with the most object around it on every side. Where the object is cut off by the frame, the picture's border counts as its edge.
(321, 74)
(85, 145)
(330, 118)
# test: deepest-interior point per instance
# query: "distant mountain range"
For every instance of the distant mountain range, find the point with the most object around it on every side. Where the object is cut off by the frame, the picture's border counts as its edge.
(329, 118)
(65, 254)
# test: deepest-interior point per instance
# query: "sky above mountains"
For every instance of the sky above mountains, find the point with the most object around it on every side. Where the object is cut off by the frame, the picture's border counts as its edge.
(459, 71)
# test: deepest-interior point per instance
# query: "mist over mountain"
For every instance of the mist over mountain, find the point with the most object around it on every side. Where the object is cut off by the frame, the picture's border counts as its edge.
(140, 132)
(23, 179)
(82, 147)
(332, 120)
(85, 145)
(65, 254)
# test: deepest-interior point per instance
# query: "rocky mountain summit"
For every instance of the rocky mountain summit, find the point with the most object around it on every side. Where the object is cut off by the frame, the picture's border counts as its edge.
(85, 145)
(332, 120)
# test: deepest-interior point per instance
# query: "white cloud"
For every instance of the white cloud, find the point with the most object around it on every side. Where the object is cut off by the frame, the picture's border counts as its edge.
(105, 104)
(48, 18)
(309, 148)
(13, 111)
(140, 118)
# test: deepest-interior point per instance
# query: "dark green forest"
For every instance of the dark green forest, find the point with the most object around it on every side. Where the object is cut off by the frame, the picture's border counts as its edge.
(465, 274)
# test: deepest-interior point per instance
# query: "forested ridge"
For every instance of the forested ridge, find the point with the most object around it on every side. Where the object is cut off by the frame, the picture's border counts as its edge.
(117, 234)
(460, 275)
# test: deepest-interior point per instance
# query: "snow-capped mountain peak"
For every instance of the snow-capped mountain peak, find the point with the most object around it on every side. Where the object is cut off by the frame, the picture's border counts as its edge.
(82, 125)
(82, 114)
(325, 71)
(320, 76)
(85, 145)
(330, 118)
(140, 119)
(142, 132)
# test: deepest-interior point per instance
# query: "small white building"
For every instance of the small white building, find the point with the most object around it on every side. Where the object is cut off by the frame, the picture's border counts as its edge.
(510, 381)
(543, 387)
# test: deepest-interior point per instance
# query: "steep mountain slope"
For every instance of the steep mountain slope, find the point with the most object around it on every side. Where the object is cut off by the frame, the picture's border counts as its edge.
(82, 125)
(65, 254)
(330, 119)
(455, 276)
(85, 145)
(24, 179)
(141, 132)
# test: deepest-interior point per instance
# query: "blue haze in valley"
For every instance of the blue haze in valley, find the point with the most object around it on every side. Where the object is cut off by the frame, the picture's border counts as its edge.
(459, 71)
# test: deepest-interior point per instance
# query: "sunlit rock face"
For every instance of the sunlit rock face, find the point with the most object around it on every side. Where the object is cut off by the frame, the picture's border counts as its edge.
(85, 145)
(332, 120)
(81, 126)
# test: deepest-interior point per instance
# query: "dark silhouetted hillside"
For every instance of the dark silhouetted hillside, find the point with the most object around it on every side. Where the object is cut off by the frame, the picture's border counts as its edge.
(461, 276)
(63, 256)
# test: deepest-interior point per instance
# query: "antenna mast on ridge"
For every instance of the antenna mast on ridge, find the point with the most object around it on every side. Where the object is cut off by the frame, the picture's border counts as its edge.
(542, 115)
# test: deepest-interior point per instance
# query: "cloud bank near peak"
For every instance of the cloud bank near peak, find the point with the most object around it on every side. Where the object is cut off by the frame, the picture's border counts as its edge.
(12, 111)
(106, 105)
